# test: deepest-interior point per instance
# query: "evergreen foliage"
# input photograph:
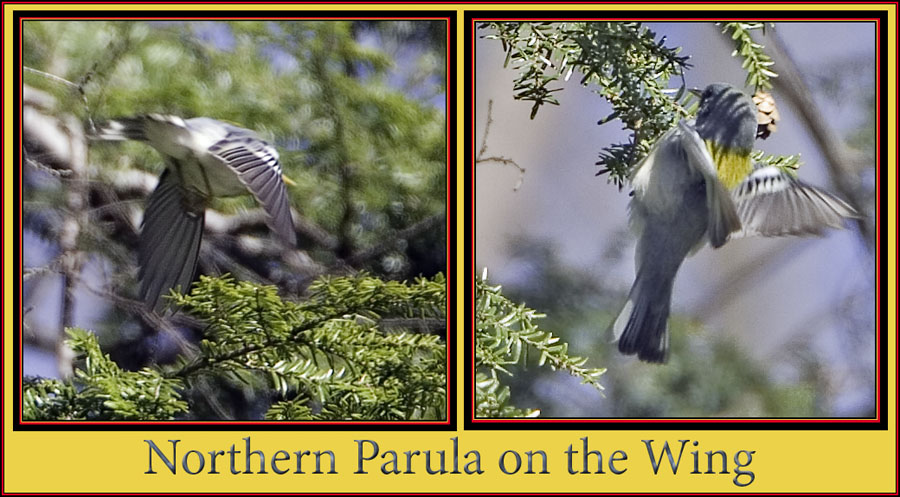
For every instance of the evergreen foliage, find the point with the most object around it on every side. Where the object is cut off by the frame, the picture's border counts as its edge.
(101, 390)
(357, 111)
(330, 357)
(625, 63)
(794, 380)
(756, 61)
(505, 334)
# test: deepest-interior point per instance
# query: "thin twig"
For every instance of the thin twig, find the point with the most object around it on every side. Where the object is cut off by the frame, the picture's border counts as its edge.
(71, 255)
(419, 325)
(152, 319)
(40, 166)
(487, 127)
(51, 77)
(792, 85)
(503, 160)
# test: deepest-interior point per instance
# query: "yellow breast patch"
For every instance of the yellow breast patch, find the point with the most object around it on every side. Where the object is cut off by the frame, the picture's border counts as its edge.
(732, 165)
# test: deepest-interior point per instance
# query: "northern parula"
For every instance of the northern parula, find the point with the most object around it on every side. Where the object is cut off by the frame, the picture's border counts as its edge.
(205, 158)
(698, 184)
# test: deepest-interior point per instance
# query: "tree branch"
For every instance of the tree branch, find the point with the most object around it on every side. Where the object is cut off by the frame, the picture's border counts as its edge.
(502, 160)
(837, 157)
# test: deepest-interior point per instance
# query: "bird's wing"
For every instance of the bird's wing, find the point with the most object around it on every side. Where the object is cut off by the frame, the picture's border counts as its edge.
(169, 242)
(256, 164)
(723, 217)
(771, 202)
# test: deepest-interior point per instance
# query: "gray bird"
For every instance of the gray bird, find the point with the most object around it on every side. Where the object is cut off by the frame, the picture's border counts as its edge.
(205, 158)
(698, 184)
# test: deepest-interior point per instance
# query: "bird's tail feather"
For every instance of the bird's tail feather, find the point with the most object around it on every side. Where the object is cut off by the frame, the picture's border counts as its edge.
(641, 327)
(126, 128)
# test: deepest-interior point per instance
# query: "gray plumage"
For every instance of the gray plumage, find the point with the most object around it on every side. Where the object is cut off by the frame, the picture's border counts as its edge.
(679, 205)
(205, 158)
(676, 197)
(169, 240)
(771, 202)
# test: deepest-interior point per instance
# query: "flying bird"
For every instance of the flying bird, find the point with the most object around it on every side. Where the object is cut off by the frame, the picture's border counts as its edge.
(205, 158)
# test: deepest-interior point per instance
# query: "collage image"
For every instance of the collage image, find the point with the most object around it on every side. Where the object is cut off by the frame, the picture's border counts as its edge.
(449, 249)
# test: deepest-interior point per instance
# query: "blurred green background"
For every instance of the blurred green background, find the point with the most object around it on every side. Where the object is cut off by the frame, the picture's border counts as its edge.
(357, 110)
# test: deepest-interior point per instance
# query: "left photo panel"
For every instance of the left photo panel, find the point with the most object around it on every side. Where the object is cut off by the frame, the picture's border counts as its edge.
(234, 221)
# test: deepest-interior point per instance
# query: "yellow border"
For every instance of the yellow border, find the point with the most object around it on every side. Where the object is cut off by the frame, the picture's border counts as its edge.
(784, 461)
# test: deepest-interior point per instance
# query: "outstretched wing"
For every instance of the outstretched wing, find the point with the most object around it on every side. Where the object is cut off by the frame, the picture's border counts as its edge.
(771, 202)
(169, 242)
(256, 164)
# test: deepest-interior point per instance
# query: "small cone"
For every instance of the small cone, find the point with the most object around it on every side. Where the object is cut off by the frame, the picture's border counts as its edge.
(766, 114)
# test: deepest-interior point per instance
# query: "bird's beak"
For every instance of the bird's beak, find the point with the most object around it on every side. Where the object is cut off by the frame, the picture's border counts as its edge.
(696, 91)
(288, 181)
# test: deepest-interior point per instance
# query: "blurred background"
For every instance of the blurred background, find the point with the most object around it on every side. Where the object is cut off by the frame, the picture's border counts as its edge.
(357, 110)
(762, 327)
